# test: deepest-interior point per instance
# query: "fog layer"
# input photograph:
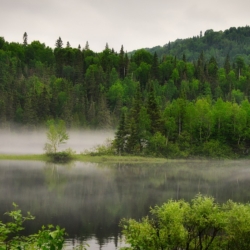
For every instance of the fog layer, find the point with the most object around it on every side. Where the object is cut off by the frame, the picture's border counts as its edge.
(33, 142)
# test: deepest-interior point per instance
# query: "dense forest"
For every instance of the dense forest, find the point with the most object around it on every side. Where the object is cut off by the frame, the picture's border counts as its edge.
(233, 42)
(176, 104)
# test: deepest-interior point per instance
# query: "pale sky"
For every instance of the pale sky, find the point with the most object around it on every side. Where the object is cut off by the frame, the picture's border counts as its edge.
(132, 23)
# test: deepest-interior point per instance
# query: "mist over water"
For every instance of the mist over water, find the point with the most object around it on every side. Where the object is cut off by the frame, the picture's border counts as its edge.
(23, 142)
(90, 199)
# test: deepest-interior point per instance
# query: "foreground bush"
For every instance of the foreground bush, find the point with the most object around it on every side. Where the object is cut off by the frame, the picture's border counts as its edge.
(200, 224)
(47, 238)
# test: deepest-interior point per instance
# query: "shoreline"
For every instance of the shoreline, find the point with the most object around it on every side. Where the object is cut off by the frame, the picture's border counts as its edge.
(87, 158)
(107, 158)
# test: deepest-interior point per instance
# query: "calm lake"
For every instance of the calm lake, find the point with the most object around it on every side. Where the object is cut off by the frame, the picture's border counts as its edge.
(90, 199)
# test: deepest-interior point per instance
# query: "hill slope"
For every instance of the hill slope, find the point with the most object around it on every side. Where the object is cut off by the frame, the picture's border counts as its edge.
(233, 42)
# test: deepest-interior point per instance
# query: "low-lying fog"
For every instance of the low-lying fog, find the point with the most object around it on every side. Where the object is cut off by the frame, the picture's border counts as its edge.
(33, 142)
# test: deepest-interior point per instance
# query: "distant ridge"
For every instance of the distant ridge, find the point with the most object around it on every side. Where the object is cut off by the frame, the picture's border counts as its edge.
(233, 42)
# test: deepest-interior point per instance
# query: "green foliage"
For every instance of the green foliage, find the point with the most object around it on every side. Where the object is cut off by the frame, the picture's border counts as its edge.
(63, 156)
(214, 149)
(191, 91)
(157, 145)
(48, 238)
(200, 224)
(107, 148)
(56, 136)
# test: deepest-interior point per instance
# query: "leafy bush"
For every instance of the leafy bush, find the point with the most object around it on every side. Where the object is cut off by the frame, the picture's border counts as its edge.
(157, 145)
(107, 148)
(200, 224)
(215, 149)
(47, 238)
(63, 156)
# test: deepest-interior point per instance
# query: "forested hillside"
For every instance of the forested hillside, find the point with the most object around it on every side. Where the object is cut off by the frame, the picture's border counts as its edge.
(162, 105)
(233, 42)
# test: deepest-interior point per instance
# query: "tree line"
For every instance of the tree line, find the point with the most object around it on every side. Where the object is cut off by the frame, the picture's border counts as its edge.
(150, 94)
(233, 42)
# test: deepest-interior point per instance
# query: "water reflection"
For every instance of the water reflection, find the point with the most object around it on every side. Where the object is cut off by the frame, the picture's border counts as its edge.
(89, 199)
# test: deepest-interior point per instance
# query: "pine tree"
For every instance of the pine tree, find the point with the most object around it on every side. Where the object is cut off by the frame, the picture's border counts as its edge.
(120, 136)
(154, 68)
(86, 46)
(227, 65)
(59, 43)
(156, 124)
(25, 39)
(29, 115)
(79, 67)
(121, 63)
(43, 107)
(68, 45)
(134, 142)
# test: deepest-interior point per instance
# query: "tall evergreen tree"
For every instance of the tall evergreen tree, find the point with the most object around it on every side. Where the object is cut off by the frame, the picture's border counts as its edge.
(59, 43)
(154, 68)
(68, 45)
(86, 46)
(156, 124)
(227, 65)
(120, 136)
(25, 39)
(121, 63)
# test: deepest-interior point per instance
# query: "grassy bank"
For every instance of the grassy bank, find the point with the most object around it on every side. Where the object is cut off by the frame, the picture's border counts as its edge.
(35, 157)
(87, 158)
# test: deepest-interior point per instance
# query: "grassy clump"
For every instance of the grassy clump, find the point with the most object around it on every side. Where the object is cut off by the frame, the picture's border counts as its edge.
(61, 157)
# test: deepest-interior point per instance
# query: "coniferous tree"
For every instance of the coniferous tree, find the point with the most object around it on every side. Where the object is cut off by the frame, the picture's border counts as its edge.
(154, 68)
(68, 45)
(227, 65)
(59, 43)
(30, 115)
(120, 136)
(86, 46)
(121, 63)
(25, 39)
(156, 124)
(43, 107)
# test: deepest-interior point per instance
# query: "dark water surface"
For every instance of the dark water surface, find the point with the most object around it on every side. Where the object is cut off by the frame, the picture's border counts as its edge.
(89, 199)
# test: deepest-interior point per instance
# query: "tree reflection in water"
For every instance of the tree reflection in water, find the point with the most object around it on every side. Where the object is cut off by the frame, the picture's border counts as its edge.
(89, 199)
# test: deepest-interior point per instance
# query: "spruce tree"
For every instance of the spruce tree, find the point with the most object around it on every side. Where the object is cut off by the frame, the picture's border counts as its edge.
(227, 65)
(68, 45)
(25, 39)
(133, 124)
(59, 43)
(86, 46)
(156, 124)
(121, 63)
(154, 68)
(120, 136)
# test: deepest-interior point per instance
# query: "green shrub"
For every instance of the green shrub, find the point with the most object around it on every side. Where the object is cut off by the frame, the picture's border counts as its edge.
(107, 148)
(62, 157)
(200, 224)
(215, 149)
(47, 238)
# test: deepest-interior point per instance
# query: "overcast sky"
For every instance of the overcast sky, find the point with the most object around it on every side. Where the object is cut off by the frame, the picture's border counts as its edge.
(132, 23)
